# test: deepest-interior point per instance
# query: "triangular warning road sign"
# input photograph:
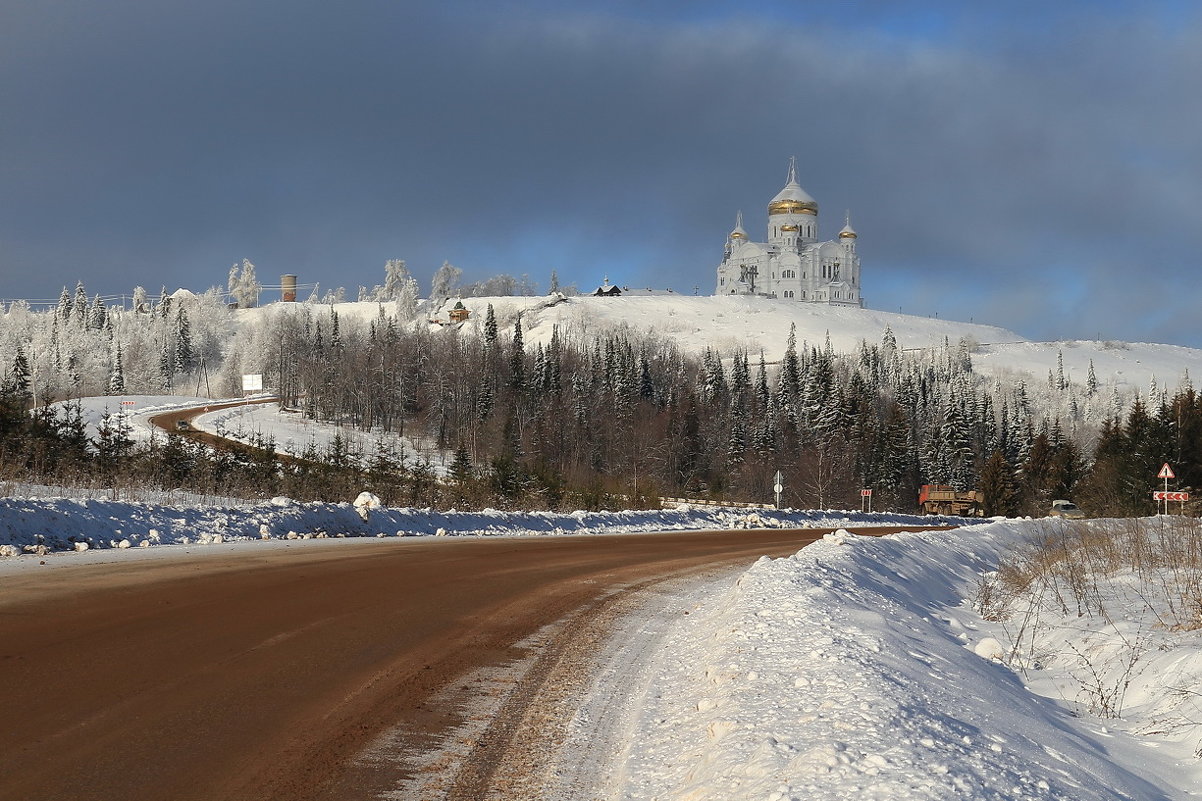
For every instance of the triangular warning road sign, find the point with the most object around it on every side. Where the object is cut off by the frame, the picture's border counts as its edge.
(1166, 472)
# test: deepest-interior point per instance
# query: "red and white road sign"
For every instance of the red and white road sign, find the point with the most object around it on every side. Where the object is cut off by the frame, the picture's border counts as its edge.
(1166, 472)
(866, 493)
(128, 403)
(1170, 496)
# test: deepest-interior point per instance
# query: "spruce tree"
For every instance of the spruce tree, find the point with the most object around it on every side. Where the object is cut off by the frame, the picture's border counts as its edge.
(64, 306)
(461, 467)
(517, 358)
(19, 376)
(1000, 496)
(98, 317)
(790, 371)
(164, 307)
(185, 355)
(80, 306)
(116, 382)
(490, 327)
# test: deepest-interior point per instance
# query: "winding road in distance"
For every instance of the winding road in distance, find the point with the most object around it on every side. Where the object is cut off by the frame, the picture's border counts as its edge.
(263, 671)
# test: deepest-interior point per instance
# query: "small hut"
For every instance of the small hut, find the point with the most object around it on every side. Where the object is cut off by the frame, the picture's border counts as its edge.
(608, 290)
(459, 313)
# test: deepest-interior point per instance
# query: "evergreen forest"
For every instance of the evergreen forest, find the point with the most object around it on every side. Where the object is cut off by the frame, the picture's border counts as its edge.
(600, 419)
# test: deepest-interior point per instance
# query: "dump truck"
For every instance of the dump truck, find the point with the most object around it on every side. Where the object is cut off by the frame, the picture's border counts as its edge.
(943, 499)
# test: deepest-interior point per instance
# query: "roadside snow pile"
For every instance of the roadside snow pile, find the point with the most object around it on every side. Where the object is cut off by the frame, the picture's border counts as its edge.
(59, 524)
(856, 669)
(1107, 615)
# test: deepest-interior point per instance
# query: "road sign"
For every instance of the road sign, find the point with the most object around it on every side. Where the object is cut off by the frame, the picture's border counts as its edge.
(1170, 496)
(128, 403)
(866, 493)
(1166, 472)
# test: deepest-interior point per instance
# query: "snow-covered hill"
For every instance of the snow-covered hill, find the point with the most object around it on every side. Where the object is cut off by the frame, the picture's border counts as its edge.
(729, 324)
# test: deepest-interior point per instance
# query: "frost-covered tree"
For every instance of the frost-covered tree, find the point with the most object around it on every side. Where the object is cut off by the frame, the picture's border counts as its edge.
(445, 282)
(116, 382)
(79, 307)
(98, 317)
(395, 275)
(64, 305)
(406, 301)
(185, 355)
(243, 286)
(490, 327)
(19, 377)
(166, 364)
(164, 307)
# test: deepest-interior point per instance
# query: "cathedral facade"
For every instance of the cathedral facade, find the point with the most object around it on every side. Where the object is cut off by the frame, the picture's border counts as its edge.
(792, 264)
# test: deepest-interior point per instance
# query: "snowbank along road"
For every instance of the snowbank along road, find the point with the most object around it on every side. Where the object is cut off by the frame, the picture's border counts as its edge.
(267, 676)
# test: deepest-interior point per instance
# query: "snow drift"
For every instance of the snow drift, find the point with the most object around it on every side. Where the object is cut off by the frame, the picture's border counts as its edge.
(854, 669)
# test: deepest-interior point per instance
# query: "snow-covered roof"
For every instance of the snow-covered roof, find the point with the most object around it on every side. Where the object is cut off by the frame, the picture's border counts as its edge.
(793, 191)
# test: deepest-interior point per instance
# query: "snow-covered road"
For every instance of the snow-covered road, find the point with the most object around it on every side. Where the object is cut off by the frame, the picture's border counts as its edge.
(857, 667)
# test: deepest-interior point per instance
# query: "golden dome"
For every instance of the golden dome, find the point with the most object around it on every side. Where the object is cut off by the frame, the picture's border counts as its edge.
(737, 235)
(790, 206)
(848, 232)
(793, 199)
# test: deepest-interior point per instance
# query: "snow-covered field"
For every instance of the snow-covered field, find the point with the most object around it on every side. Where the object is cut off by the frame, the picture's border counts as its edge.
(294, 434)
(134, 410)
(727, 324)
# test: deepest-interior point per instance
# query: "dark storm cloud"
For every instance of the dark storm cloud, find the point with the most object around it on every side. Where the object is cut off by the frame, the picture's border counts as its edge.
(1047, 182)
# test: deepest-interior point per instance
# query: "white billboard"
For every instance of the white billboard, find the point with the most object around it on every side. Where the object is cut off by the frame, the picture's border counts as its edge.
(252, 382)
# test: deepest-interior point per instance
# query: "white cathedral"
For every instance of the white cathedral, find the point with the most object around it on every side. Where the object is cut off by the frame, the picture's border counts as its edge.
(792, 263)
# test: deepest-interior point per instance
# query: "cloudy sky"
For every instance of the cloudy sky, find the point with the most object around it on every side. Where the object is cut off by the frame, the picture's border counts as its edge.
(1028, 164)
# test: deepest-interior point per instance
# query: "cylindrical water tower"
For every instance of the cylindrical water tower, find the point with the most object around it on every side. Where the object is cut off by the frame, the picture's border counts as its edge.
(288, 288)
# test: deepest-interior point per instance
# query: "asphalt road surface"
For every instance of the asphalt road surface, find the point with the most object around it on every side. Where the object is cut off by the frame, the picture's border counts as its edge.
(264, 675)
